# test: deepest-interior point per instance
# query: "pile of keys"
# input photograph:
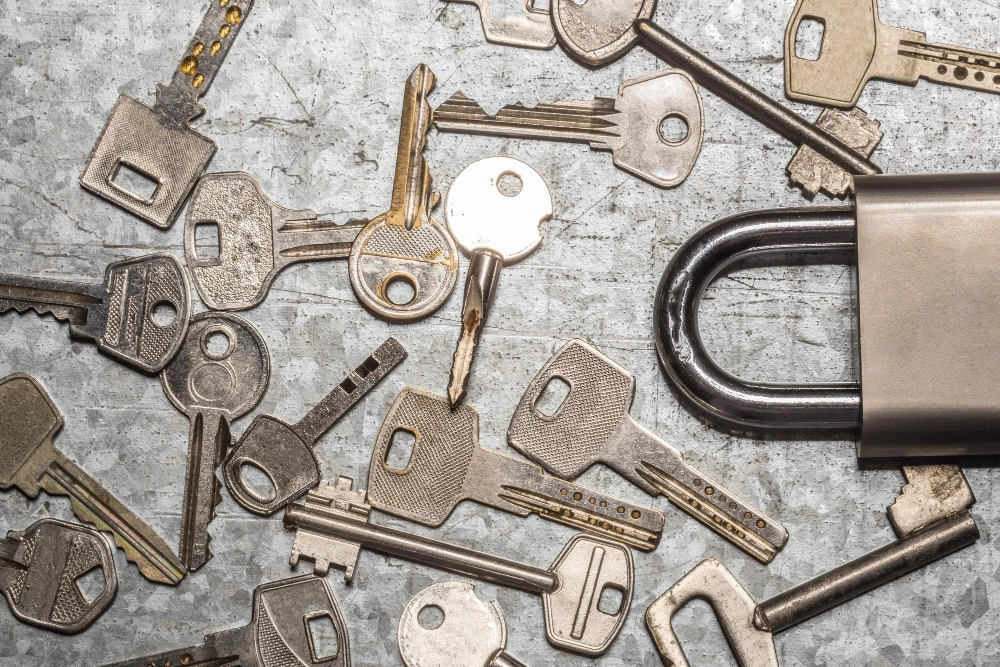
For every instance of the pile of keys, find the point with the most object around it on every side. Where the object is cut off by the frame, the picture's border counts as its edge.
(215, 367)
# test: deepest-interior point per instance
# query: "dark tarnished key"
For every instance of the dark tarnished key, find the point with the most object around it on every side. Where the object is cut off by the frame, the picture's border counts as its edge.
(30, 462)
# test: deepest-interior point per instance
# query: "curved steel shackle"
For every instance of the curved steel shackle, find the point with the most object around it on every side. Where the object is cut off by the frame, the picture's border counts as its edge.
(834, 406)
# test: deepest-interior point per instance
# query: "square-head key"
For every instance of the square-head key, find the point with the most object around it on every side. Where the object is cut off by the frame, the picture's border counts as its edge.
(157, 142)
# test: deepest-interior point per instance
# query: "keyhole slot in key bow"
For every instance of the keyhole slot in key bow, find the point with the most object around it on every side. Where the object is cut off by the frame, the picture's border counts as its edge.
(552, 397)
(134, 182)
(207, 247)
(163, 314)
(431, 617)
(91, 584)
(400, 450)
(257, 482)
(674, 129)
(400, 289)
(323, 641)
(509, 184)
(217, 343)
(809, 38)
(611, 600)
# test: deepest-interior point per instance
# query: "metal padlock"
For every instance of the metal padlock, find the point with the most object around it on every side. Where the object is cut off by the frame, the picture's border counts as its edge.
(927, 249)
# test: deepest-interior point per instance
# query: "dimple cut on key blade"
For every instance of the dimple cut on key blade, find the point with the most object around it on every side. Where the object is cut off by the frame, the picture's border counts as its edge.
(27, 419)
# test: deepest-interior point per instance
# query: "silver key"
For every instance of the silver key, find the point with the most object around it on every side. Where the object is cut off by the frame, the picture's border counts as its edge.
(531, 29)
(332, 527)
(750, 627)
(447, 465)
(472, 633)
(138, 315)
(813, 172)
(629, 125)
(495, 230)
(157, 142)
(857, 47)
(593, 425)
(219, 374)
(280, 633)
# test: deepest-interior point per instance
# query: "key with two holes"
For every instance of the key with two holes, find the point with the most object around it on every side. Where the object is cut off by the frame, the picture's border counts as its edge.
(118, 315)
(158, 142)
(495, 230)
(39, 570)
(30, 462)
(279, 632)
(858, 47)
(447, 465)
(628, 125)
(258, 238)
(212, 387)
(593, 425)
(332, 527)
(283, 451)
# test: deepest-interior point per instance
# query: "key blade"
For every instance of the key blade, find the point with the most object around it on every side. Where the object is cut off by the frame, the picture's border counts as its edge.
(67, 302)
(209, 442)
(814, 173)
(932, 492)
(411, 185)
(193, 656)
(480, 289)
(952, 65)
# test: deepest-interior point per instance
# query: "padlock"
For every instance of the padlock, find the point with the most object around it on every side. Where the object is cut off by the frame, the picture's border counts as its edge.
(927, 249)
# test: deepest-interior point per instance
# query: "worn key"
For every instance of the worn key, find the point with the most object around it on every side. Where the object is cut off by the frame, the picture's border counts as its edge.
(283, 452)
(157, 143)
(281, 632)
(137, 316)
(448, 465)
(472, 633)
(750, 627)
(814, 173)
(631, 125)
(495, 229)
(30, 462)
(332, 527)
(530, 29)
(220, 373)
(593, 425)
(40, 568)
(857, 47)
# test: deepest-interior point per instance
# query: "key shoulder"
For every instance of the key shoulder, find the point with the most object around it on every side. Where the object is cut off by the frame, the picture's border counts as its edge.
(28, 422)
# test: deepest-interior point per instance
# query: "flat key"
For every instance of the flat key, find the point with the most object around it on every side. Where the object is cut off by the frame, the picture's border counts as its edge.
(447, 465)
(158, 142)
(814, 173)
(30, 462)
(593, 425)
(628, 125)
(495, 230)
(332, 527)
(857, 47)
(220, 373)
(39, 569)
(530, 29)
(121, 315)
(280, 633)
(283, 452)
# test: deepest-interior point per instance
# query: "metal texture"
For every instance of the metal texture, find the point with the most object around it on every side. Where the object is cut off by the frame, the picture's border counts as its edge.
(930, 492)
(814, 173)
(283, 452)
(530, 28)
(857, 47)
(595, 33)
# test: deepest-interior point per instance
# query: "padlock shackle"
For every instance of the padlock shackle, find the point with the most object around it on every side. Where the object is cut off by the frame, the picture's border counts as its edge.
(722, 396)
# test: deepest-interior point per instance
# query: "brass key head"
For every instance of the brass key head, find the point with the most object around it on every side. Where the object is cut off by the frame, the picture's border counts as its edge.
(598, 31)
(586, 568)
(28, 420)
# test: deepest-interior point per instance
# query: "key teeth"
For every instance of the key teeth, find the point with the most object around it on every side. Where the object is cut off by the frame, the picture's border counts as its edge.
(932, 493)
(814, 173)
(59, 313)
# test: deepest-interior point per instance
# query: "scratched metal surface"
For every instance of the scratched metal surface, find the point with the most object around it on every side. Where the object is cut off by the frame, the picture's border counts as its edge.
(309, 102)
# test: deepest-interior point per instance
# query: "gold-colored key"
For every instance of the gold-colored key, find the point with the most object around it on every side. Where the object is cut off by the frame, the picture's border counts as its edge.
(30, 461)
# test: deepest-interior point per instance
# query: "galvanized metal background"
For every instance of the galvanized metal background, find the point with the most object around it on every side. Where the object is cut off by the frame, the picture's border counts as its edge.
(309, 102)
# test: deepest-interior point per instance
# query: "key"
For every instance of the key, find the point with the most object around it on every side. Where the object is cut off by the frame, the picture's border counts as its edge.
(158, 142)
(750, 627)
(532, 29)
(219, 375)
(628, 125)
(447, 465)
(30, 462)
(472, 633)
(258, 238)
(280, 633)
(138, 315)
(39, 572)
(283, 452)
(593, 425)
(812, 172)
(857, 47)
(332, 527)
(494, 230)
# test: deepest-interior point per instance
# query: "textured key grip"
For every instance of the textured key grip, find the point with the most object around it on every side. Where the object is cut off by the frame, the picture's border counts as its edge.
(28, 418)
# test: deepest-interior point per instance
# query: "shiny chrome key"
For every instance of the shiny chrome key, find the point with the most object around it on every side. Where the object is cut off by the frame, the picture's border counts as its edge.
(219, 374)
(30, 462)
(137, 316)
(448, 465)
(631, 125)
(593, 425)
(157, 142)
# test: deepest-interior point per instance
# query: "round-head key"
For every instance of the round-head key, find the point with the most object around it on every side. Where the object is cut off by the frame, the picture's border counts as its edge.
(598, 31)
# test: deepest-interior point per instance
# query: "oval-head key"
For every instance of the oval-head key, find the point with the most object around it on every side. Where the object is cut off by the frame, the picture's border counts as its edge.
(593, 425)
(219, 375)
(39, 569)
(472, 633)
(448, 465)
(495, 230)
(30, 462)
(137, 316)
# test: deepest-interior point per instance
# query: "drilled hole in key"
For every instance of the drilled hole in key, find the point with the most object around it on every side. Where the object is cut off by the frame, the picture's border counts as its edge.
(257, 482)
(674, 129)
(509, 184)
(163, 314)
(552, 396)
(91, 584)
(367, 367)
(961, 73)
(323, 642)
(611, 600)
(809, 38)
(400, 289)
(431, 617)
(218, 345)
(400, 450)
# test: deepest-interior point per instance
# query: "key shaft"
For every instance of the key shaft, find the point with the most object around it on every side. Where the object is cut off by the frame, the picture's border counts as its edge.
(411, 182)
(69, 301)
(953, 65)
(481, 285)
(208, 443)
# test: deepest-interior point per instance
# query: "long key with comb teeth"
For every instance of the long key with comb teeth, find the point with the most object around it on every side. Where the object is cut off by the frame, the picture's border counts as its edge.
(448, 465)
(593, 425)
